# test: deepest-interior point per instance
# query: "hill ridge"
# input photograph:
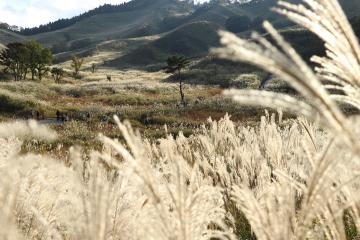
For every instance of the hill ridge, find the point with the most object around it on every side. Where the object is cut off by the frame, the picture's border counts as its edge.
(103, 9)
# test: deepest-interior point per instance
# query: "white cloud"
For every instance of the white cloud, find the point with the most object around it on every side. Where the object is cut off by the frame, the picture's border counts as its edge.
(29, 13)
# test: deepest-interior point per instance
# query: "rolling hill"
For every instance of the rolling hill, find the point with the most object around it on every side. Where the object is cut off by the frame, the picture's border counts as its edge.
(174, 27)
(215, 13)
(8, 37)
(191, 40)
(139, 21)
(143, 18)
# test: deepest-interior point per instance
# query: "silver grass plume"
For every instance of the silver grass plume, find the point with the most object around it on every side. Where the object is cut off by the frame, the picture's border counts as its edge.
(283, 61)
(25, 130)
(341, 66)
(324, 197)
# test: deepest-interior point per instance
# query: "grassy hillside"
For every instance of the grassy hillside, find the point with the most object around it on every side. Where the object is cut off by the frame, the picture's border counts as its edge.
(215, 13)
(7, 37)
(176, 22)
(191, 40)
(102, 27)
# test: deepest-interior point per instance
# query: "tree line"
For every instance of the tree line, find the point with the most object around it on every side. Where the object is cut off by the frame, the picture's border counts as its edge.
(21, 59)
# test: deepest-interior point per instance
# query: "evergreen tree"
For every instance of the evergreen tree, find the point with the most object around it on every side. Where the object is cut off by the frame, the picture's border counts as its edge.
(175, 65)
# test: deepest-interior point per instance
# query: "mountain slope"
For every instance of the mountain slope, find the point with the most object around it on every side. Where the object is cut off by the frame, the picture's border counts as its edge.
(115, 25)
(104, 9)
(215, 13)
(8, 37)
(173, 20)
(191, 40)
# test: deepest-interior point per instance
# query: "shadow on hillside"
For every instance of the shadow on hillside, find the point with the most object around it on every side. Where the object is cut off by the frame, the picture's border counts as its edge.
(221, 73)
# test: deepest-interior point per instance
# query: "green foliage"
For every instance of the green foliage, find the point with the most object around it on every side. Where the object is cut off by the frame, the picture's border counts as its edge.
(176, 63)
(4, 26)
(57, 74)
(19, 58)
(76, 64)
(15, 58)
(39, 59)
(238, 23)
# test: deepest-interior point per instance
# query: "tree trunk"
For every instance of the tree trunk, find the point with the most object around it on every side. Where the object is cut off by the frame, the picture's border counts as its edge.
(25, 74)
(181, 89)
(33, 72)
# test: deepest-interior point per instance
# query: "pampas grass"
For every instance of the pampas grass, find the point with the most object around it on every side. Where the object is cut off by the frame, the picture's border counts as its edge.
(170, 189)
(278, 180)
(322, 195)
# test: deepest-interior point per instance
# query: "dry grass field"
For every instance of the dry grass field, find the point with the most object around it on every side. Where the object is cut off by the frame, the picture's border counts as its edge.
(149, 100)
(159, 171)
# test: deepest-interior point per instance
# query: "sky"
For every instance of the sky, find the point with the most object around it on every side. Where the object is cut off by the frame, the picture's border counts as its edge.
(30, 13)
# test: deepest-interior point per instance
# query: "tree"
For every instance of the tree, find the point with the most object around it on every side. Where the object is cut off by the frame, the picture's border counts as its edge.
(76, 65)
(175, 65)
(4, 26)
(39, 59)
(57, 74)
(15, 57)
(42, 67)
(20, 58)
(238, 23)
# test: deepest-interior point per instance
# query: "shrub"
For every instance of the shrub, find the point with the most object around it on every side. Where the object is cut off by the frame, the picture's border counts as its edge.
(57, 73)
